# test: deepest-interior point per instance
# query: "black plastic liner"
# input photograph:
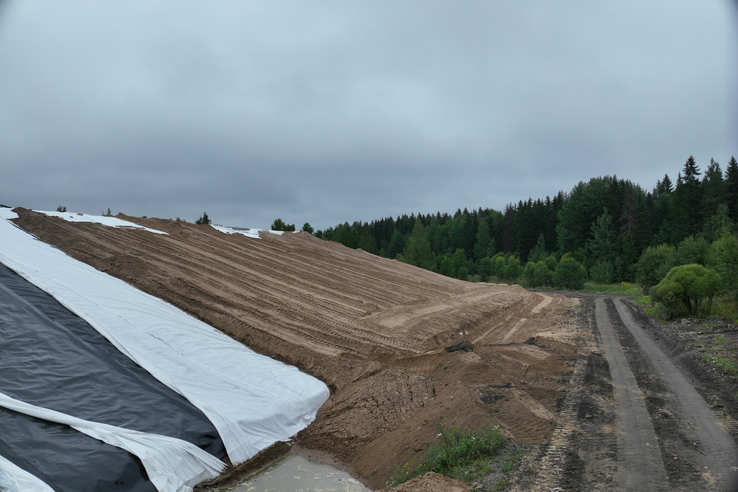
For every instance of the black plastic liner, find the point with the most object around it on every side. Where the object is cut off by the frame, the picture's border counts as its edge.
(53, 359)
(67, 460)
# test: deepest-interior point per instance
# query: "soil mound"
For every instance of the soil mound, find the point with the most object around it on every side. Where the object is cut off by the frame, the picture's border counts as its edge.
(375, 330)
(430, 482)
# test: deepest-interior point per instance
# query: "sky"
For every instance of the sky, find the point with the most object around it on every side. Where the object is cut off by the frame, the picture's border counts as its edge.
(331, 111)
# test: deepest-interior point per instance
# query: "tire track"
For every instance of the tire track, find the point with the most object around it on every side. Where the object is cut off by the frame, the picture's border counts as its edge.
(718, 457)
(640, 466)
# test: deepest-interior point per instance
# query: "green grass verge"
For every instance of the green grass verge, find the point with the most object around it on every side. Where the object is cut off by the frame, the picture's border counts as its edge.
(460, 453)
(621, 288)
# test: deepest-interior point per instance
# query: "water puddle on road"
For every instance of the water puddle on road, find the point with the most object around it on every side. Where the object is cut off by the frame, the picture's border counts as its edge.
(297, 474)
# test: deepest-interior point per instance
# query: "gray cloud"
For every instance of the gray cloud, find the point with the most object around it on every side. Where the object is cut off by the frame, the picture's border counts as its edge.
(333, 111)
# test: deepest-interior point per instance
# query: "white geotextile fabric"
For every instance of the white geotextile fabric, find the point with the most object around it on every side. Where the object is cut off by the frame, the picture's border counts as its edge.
(14, 479)
(98, 219)
(252, 233)
(173, 465)
(252, 400)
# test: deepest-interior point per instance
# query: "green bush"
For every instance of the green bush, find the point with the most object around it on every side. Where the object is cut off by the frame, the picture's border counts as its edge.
(691, 251)
(569, 274)
(512, 269)
(601, 272)
(654, 264)
(537, 275)
(686, 289)
(486, 268)
(551, 263)
(724, 259)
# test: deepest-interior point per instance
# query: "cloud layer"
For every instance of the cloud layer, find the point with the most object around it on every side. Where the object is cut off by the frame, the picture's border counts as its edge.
(339, 111)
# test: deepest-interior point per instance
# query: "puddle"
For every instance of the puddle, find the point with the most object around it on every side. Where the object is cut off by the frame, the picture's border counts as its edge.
(297, 474)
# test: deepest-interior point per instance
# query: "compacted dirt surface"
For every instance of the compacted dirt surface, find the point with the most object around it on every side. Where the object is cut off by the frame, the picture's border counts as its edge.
(597, 406)
(644, 411)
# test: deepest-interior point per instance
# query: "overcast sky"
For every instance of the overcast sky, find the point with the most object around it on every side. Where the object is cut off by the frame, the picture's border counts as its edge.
(333, 111)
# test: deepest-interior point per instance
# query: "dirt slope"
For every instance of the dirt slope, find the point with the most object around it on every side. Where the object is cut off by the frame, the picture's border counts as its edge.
(373, 329)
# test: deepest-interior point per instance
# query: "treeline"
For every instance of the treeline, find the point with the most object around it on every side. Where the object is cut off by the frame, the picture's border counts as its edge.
(599, 230)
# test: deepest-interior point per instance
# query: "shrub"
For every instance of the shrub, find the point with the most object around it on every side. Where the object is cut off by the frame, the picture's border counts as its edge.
(551, 263)
(654, 264)
(601, 272)
(537, 274)
(569, 274)
(692, 250)
(686, 289)
(542, 274)
(486, 269)
(61, 208)
(724, 259)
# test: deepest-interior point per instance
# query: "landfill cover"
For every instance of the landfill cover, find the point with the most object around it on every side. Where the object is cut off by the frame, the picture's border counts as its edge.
(251, 400)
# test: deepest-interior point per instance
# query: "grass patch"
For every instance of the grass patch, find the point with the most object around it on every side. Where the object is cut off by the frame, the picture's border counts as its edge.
(460, 453)
(728, 365)
(645, 302)
(621, 288)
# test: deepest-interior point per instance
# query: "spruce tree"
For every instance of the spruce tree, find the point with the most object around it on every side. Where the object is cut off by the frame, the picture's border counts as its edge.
(714, 190)
(396, 244)
(418, 250)
(483, 239)
(731, 179)
(686, 216)
(538, 253)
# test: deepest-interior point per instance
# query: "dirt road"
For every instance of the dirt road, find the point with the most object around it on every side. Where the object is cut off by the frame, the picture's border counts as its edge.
(632, 418)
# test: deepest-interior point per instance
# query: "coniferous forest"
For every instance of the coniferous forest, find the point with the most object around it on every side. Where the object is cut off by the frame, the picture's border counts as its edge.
(605, 230)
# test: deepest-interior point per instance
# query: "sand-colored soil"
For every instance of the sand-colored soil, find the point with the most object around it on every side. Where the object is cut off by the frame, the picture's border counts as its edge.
(373, 329)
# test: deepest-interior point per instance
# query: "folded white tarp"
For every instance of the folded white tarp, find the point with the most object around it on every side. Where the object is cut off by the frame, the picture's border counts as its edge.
(98, 219)
(172, 465)
(14, 479)
(252, 400)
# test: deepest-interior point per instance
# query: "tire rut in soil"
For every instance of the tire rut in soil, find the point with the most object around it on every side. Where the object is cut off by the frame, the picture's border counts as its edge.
(697, 454)
(582, 451)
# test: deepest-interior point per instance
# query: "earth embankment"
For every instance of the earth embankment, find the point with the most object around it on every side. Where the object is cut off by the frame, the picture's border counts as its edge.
(373, 329)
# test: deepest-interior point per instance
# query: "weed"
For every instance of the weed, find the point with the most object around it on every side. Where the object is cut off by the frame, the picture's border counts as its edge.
(460, 452)
(641, 300)
(727, 364)
(719, 340)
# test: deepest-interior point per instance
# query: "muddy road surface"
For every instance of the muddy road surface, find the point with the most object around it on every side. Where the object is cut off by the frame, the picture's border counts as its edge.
(633, 418)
